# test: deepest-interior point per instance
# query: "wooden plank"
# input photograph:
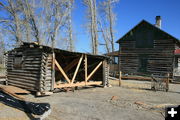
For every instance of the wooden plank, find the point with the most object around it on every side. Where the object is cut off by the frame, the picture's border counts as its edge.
(62, 71)
(85, 62)
(95, 69)
(77, 68)
(120, 75)
(11, 90)
(78, 84)
(53, 70)
(167, 83)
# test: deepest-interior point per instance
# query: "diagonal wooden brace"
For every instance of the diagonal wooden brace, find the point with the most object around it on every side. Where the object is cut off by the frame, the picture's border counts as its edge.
(62, 71)
(95, 69)
(77, 68)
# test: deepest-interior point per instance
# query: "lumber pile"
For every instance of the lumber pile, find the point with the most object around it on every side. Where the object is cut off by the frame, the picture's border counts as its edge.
(14, 91)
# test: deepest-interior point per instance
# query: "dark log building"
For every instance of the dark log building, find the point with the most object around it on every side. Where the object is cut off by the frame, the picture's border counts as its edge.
(147, 49)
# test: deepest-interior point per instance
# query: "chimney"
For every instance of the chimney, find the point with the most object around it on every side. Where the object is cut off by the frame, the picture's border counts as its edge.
(158, 22)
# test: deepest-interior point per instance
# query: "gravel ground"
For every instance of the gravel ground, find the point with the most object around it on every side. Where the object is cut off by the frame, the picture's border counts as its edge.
(97, 103)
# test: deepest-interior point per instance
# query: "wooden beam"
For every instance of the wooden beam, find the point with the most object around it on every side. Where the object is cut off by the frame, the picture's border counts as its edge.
(85, 67)
(120, 75)
(62, 71)
(95, 69)
(77, 68)
(53, 70)
(78, 84)
(69, 66)
(167, 82)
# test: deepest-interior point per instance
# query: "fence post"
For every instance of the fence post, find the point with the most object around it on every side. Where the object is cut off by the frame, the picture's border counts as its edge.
(167, 82)
(120, 75)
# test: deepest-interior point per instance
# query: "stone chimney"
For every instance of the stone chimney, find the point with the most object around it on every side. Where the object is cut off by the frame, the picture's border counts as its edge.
(158, 22)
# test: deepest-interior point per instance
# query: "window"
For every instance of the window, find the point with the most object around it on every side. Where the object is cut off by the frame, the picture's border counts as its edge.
(115, 60)
(18, 61)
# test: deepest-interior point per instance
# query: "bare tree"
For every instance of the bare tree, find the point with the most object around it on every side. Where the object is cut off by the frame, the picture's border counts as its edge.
(60, 12)
(105, 35)
(92, 17)
(69, 27)
(30, 21)
(108, 17)
(2, 50)
(12, 22)
(40, 21)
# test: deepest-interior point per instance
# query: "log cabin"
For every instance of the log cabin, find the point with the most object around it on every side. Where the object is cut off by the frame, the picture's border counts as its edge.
(146, 49)
(43, 69)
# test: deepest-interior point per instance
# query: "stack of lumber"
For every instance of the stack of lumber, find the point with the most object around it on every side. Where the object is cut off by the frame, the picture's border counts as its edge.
(14, 91)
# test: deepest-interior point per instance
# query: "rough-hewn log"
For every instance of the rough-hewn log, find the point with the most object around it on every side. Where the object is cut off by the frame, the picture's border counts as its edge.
(62, 71)
(85, 67)
(77, 68)
(95, 69)
(78, 84)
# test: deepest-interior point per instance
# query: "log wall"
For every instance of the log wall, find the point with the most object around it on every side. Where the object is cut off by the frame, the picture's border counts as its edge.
(28, 75)
(159, 58)
(30, 66)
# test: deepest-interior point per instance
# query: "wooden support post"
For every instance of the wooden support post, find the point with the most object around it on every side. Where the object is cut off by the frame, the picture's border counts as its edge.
(120, 76)
(119, 66)
(167, 82)
(104, 74)
(62, 71)
(85, 65)
(95, 69)
(77, 68)
(53, 70)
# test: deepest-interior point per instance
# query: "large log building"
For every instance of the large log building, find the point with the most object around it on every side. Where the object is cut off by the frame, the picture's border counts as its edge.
(147, 49)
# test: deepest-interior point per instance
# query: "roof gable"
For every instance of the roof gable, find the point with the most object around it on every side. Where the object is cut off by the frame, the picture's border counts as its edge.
(153, 26)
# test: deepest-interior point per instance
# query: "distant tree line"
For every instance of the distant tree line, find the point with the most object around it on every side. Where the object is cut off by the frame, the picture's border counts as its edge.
(42, 21)
(49, 22)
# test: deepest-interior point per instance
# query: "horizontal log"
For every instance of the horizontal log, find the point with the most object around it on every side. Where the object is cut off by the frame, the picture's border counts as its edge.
(23, 71)
(21, 83)
(23, 77)
(24, 74)
(77, 84)
(25, 87)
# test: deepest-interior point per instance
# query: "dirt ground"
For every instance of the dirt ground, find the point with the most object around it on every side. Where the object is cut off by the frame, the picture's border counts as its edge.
(99, 104)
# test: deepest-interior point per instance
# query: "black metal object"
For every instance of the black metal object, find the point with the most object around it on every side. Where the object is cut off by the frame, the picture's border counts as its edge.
(28, 107)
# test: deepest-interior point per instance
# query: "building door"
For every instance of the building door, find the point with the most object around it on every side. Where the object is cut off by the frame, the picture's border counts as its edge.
(142, 63)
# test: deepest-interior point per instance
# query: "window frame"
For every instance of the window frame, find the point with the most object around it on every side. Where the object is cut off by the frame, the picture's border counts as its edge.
(18, 61)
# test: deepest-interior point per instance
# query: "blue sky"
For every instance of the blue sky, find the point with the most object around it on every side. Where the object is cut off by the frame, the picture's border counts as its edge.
(129, 13)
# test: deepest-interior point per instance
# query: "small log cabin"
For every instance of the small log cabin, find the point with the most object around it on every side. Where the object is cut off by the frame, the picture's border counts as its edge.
(146, 49)
(43, 69)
